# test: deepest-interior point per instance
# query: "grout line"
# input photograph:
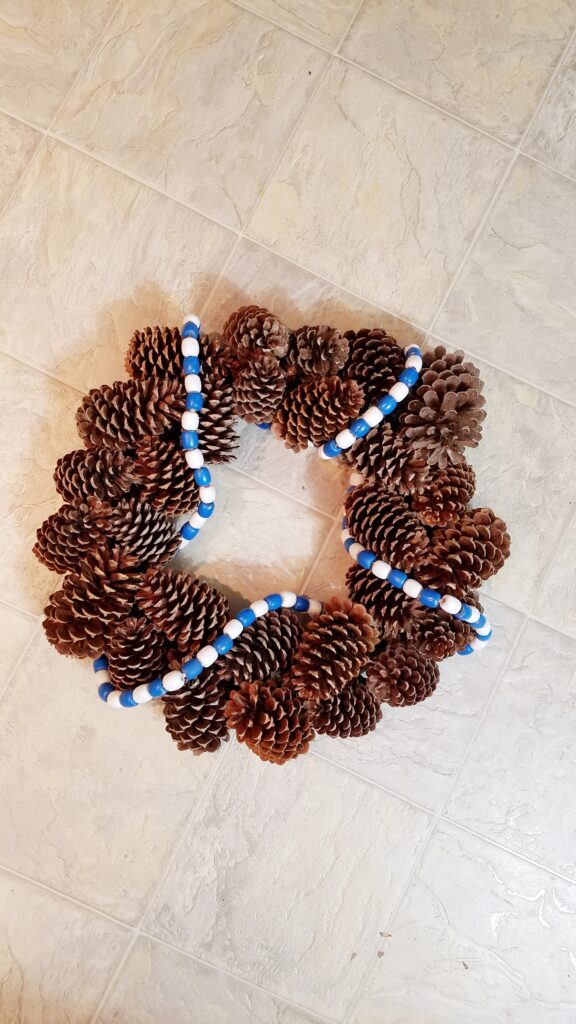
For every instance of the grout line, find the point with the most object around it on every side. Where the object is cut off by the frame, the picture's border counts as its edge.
(34, 618)
(347, 770)
(65, 896)
(283, 28)
(308, 574)
(206, 304)
(40, 369)
(349, 27)
(548, 167)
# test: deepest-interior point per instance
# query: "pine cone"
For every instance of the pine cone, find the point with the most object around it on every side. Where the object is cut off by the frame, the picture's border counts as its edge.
(334, 649)
(195, 718)
(355, 711)
(80, 616)
(186, 610)
(102, 472)
(271, 720)
(217, 437)
(166, 481)
(120, 414)
(445, 495)
(154, 352)
(316, 411)
(462, 555)
(65, 537)
(376, 361)
(319, 351)
(390, 607)
(445, 412)
(136, 528)
(384, 523)
(264, 649)
(401, 675)
(436, 634)
(259, 389)
(391, 459)
(136, 653)
(252, 330)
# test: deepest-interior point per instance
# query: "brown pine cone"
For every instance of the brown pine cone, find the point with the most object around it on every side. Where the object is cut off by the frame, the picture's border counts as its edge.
(154, 352)
(445, 413)
(355, 711)
(335, 647)
(119, 415)
(65, 537)
(101, 472)
(390, 607)
(136, 653)
(436, 634)
(316, 411)
(217, 437)
(258, 389)
(187, 611)
(271, 720)
(195, 718)
(376, 361)
(80, 616)
(402, 675)
(445, 495)
(264, 649)
(166, 481)
(462, 555)
(137, 528)
(319, 351)
(252, 330)
(391, 459)
(384, 524)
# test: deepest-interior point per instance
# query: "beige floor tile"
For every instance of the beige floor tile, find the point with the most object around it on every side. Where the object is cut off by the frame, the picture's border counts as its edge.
(514, 301)
(55, 957)
(15, 632)
(556, 603)
(552, 137)
(323, 22)
(102, 795)
(42, 47)
(378, 193)
(17, 143)
(310, 856)
(488, 64)
(198, 103)
(480, 937)
(102, 257)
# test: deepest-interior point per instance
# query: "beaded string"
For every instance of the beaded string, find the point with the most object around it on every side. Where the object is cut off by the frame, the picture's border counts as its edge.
(192, 370)
(192, 669)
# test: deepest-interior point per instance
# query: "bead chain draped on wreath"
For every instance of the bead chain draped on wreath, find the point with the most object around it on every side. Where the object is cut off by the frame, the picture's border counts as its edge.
(274, 677)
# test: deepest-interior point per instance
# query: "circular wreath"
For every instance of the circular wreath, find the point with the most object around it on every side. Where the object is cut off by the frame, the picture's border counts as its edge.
(286, 667)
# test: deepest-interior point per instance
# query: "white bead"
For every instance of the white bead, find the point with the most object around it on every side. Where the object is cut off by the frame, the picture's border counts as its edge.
(414, 363)
(184, 542)
(373, 416)
(207, 656)
(192, 318)
(194, 458)
(450, 604)
(114, 699)
(103, 676)
(288, 599)
(412, 588)
(173, 681)
(322, 453)
(207, 494)
(141, 694)
(233, 629)
(190, 420)
(399, 391)
(190, 347)
(484, 630)
(345, 535)
(381, 569)
(345, 439)
(356, 479)
(192, 382)
(475, 614)
(354, 550)
(315, 607)
(259, 607)
(197, 521)
(477, 645)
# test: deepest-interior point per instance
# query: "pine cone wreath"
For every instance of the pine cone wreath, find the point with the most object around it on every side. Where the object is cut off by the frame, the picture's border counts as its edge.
(258, 389)
(335, 647)
(217, 437)
(462, 555)
(319, 351)
(253, 330)
(355, 711)
(195, 718)
(154, 352)
(102, 473)
(444, 497)
(384, 524)
(136, 653)
(316, 411)
(271, 720)
(186, 610)
(137, 529)
(389, 606)
(401, 675)
(376, 361)
(65, 537)
(263, 650)
(166, 482)
(389, 458)
(118, 415)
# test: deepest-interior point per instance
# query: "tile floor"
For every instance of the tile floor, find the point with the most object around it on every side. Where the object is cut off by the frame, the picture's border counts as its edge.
(411, 164)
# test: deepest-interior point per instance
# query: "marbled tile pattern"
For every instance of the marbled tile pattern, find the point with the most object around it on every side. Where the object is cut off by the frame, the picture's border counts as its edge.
(347, 162)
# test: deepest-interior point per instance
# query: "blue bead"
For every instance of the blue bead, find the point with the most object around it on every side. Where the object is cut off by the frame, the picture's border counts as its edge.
(202, 477)
(431, 598)
(464, 613)
(359, 428)
(409, 376)
(274, 601)
(413, 351)
(397, 578)
(348, 543)
(103, 690)
(191, 364)
(100, 663)
(189, 532)
(156, 688)
(331, 449)
(264, 426)
(192, 668)
(302, 604)
(366, 559)
(246, 616)
(386, 404)
(189, 439)
(481, 622)
(190, 330)
(486, 635)
(127, 700)
(205, 509)
(466, 650)
(223, 643)
(195, 401)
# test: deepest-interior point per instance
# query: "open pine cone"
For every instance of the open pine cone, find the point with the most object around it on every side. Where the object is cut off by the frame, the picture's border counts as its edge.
(166, 482)
(354, 711)
(462, 555)
(136, 653)
(271, 720)
(334, 648)
(319, 351)
(376, 361)
(195, 718)
(258, 389)
(263, 650)
(400, 675)
(119, 414)
(102, 473)
(316, 411)
(384, 524)
(187, 611)
(253, 330)
(391, 459)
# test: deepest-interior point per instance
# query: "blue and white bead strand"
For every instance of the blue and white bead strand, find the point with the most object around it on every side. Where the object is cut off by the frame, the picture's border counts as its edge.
(206, 657)
(189, 437)
(374, 415)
